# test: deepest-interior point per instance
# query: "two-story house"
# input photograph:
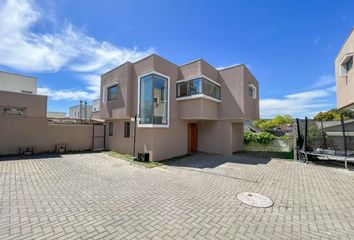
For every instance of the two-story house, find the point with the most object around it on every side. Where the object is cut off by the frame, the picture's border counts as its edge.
(345, 74)
(181, 109)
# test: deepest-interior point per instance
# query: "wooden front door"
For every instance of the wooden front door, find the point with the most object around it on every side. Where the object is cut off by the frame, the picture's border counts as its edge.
(192, 137)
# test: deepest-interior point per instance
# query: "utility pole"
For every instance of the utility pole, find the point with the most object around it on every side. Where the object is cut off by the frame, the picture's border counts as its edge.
(80, 110)
(85, 111)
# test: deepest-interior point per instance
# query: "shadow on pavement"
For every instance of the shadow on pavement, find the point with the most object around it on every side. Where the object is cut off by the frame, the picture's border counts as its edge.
(207, 160)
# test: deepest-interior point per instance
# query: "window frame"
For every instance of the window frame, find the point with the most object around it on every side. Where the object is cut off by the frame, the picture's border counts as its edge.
(105, 91)
(109, 95)
(127, 129)
(254, 89)
(344, 72)
(198, 95)
(110, 129)
(142, 125)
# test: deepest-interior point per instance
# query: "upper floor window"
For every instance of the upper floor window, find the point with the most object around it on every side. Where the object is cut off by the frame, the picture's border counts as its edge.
(112, 93)
(252, 91)
(198, 86)
(346, 65)
(153, 104)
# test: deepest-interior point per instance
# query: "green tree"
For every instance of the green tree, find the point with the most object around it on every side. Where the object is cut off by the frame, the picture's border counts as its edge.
(334, 115)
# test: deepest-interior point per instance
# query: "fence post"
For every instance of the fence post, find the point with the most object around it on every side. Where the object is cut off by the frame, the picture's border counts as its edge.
(305, 136)
(343, 132)
(295, 127)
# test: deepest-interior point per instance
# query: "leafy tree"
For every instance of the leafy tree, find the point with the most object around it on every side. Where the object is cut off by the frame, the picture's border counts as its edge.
(268, 125)
(334, 115)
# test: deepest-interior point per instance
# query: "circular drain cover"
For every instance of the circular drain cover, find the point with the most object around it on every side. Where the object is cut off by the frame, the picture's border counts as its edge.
(255, 199)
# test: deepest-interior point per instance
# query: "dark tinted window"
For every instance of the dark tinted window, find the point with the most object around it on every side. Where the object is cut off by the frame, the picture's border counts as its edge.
(127, 129)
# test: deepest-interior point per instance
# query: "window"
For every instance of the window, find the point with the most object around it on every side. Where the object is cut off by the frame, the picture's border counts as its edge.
(152, 105)
(112, 93)
(127, 129)
(346, 65)
(14, 111)
(210, 89)
(110, 128)
(252, 91)
(198, 86)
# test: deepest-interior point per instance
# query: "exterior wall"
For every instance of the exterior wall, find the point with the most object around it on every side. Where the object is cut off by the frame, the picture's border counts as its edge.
(235, 101)
(35, 105)
(74, 112)
(17, 83)
(198, 108)
(237, 136)
(215, 137)
(36, 132)
(345, 84)
(232, 93)
(121, 107)
(33, 129)
(56, 114)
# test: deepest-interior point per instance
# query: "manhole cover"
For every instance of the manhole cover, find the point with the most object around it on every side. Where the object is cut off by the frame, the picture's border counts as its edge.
(255, 199)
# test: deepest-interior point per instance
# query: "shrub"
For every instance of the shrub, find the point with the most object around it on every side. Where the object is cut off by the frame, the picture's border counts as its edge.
(261, 138)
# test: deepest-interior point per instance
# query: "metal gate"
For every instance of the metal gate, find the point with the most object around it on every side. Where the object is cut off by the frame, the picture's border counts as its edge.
(98, 137)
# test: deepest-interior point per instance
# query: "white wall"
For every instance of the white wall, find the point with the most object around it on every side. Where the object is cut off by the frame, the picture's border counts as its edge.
(17, 83)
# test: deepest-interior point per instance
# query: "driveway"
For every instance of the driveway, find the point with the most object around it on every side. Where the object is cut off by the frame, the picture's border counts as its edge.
(94, 196)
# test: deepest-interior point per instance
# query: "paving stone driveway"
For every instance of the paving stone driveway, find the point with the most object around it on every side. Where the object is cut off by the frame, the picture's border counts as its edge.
(94, 196)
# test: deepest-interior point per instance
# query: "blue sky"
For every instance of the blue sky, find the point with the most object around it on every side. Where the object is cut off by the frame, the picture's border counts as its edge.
(290, 46)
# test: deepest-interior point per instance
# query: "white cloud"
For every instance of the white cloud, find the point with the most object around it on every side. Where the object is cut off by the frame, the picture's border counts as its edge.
(67, 94)
(316, 40)
(300, 104)
(324, 80)
(70, 49)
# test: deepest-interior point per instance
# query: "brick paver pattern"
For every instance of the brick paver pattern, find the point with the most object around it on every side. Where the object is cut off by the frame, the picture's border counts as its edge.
(94, 196)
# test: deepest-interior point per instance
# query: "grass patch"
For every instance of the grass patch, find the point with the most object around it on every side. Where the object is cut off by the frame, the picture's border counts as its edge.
(129, 158)
(281, 155)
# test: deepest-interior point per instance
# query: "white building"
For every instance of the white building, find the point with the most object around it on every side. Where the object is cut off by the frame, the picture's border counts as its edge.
(96, 105)
(56, 114)
(76, 113)
(12, 82)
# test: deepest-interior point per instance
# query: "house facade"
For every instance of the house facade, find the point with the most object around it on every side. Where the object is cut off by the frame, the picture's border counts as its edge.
(180, 109)
(11, 82)
(345, 74)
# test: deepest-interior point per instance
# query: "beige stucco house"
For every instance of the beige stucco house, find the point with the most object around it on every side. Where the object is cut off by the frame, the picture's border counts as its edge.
(180, 109)
(345, 74)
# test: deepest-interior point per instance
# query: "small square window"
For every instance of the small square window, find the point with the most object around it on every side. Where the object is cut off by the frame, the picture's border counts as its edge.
(112, 93)
(110, 128)
(127, 129)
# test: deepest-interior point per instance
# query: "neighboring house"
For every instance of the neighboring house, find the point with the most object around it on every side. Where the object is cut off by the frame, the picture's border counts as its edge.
(82, 111)
(56, 114)
(96, 105)
(345, 74)
(12, 82)
(180, 109)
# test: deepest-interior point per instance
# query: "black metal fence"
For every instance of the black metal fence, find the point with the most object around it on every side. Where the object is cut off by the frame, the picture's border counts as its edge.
(326, 137)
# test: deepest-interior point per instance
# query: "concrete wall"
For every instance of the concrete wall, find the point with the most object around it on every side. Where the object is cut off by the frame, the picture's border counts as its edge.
(27, 132)
(17, 83)
(198, 108)
(345, 84)
(33, 129)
